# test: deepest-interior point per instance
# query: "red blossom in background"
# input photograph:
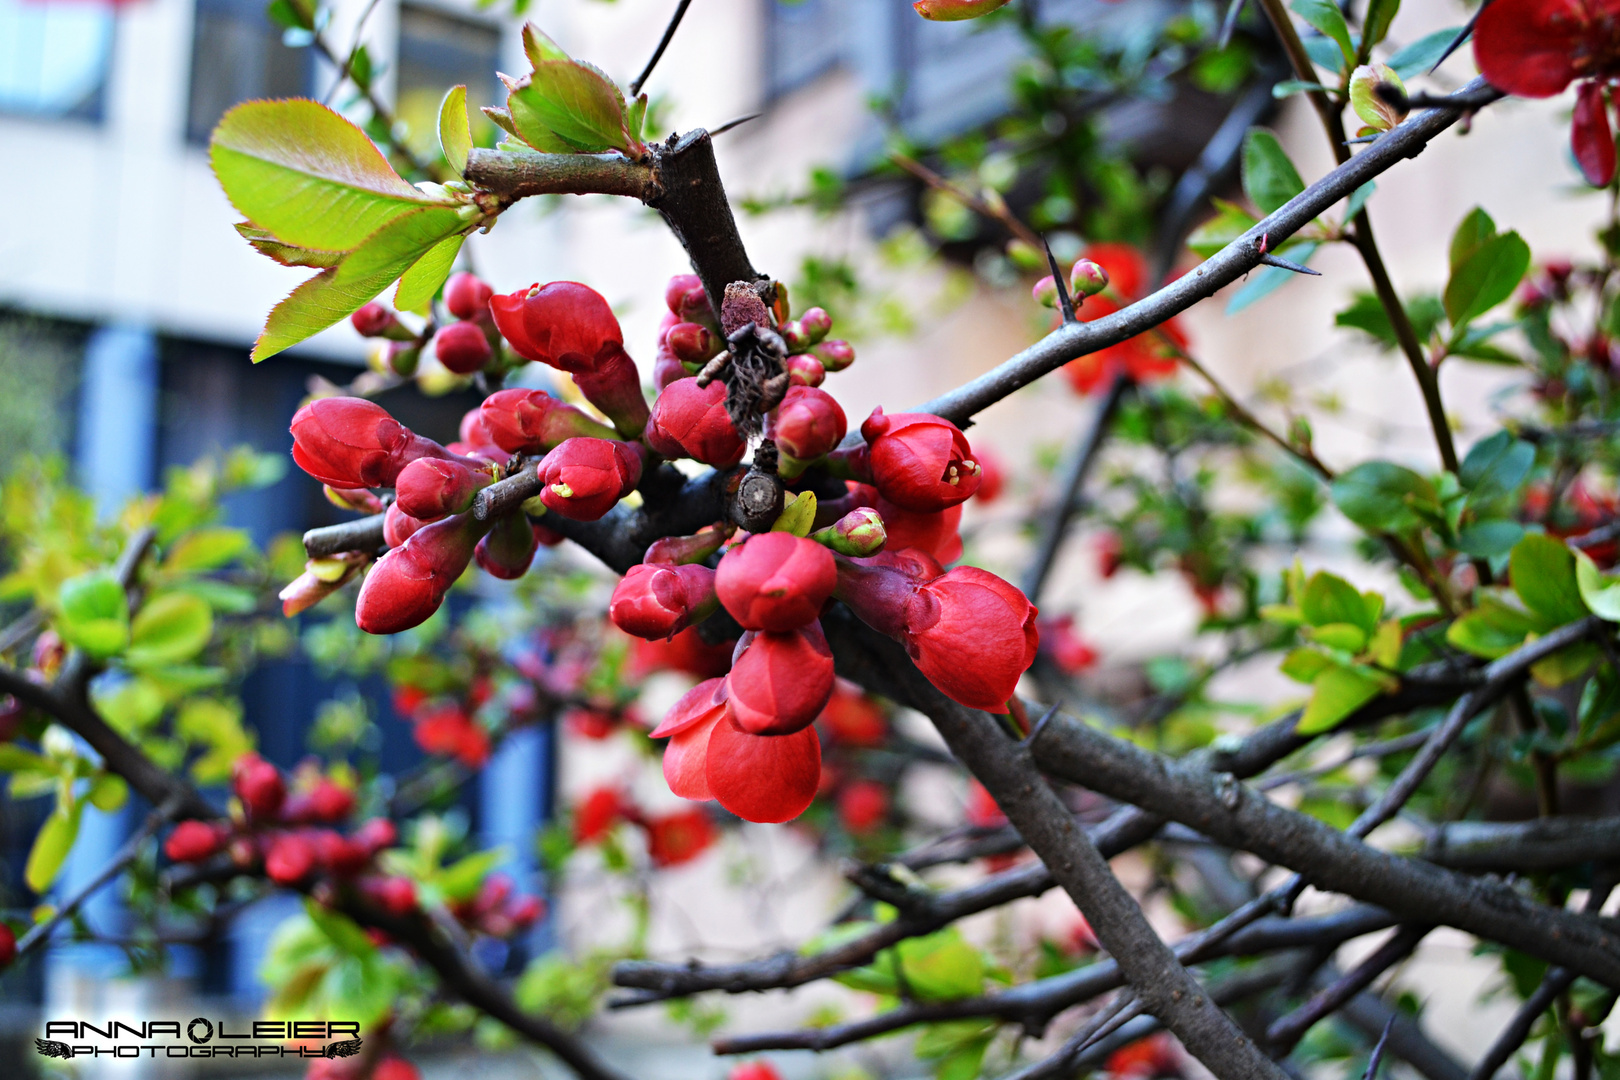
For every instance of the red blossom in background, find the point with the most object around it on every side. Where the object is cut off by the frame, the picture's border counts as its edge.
(679, 837)
(852, 718)
(467, 297)
(863, 806)
(1143, 358)
(600, 810)
(449, 732)
(194, 841)
(1064, 646)
(1536, 48)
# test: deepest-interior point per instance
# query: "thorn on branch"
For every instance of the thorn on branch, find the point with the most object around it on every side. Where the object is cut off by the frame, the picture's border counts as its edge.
(1285, 264)
(1065, 301)
(738, 122)
(1377, 1057)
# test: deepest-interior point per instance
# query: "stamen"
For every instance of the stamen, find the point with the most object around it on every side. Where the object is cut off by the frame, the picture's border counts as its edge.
(563, 490)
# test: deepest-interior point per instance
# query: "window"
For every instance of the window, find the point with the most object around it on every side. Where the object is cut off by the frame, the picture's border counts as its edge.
(438, 50)
(803, 39)
(54, 58)
(237, 54)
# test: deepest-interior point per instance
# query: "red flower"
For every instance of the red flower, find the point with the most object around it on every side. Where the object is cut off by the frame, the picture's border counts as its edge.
(373, 320)
(570, 327)
(450, 732)
(430, 488)
(919, 461)
(687, 727)
(290, 860)
(591, 724)
(1590, 136)
(340, 855)
(353, 443)
(396, 895)
(690, 422)
(1064, 645)
(1153, 1056)
(807, 424)
(395, 1068)
(408, 584)
(529, 421)
(968, 631)
(693, 343)
(398, 526)
(376, 834)
(775, 581)
(992, 478)
(260, 787)
(467, 297)
(585, 478)
(852, 717)
(596, 813)
(326, 802)
(863, 806)
(193, 841)
(781, 681)
(508, 548)
(1124, 266)
(462, 347)
(755, 1070)
(982, 809)
(679, 837)
(934, 533)
(973, 635)
(658, 600)
(1144, 358)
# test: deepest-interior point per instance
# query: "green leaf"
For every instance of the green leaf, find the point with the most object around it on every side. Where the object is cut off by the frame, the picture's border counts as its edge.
(1336, 693)
(132, 706)
(1423, 53)
(1331, 599)
(1601, 594)
(797, 515)
(539, 48)
(462, 879)
(1373, 110)
(340, 930)
(1496, 465)
(1290, 87)
(942, 966)
(171, 629)
(301, 171)
(207, 549)
(397, 246)
(361, 71)
(1380, 495)
(265, 243)
(94, 613)
(14, 759)
(1326, 17)
(1358, 200)
(1230, 222)
(566, 106)
(1486, 277)
(51, 847)
(108, 792)
(1324, 53)
(1490, 538)
(1375, 24)
(1269, 279)
(1343, 636)
(455, 134)
(1304, 665)
(292, 14)
(421, 283)
(1474, 230)
(1367, 314)
(1543, 572)
(1269, 178)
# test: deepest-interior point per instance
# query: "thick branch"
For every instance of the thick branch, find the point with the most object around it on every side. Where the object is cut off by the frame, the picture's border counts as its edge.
(361, 534)
(1221, 269)
(518, 174)
(1541, 844)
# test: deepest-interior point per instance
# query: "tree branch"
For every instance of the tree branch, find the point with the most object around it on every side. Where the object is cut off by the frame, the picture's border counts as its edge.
(518, 174)
(1551, 843)
(1221, 269)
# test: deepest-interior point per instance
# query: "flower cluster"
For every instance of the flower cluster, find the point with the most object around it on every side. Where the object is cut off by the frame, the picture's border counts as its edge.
(1105, 279)
(744, 736)
(672, 838)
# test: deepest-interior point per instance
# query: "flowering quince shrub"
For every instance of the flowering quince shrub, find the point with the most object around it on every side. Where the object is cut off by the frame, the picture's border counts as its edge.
(680, 556)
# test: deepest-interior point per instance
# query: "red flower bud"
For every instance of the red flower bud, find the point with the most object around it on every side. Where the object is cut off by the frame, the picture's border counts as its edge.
(780, 682)
(667, 369)
(467, 297)
(340, 855)
(693, 343)
(584, 478)
(596, 813)
(805, 371)
(1045, 292)
(397, 895)
(1087, 278)
(194, 841)
(919, 461)
(834, 355)
(972, 635)
(570, 327)
(679, 837)
(376, 834)
(349, 442)
(859, 533)
(775, 581)
(373, 320)
(398, 526)
(290, 860)
(807, 425)
(508, 549)
(330, 801)
(408, 584)
(530, 421)
(955, 10)
(430, 488)
(260, 787)
(689, 549)
(816, 323)
(462, 347)
(691, 422)
(657, 601)
(679, 294)
(863, 806)
(8, 946)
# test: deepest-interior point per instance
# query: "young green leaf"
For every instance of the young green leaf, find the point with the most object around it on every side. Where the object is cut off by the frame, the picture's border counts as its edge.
(1486, 277)
(1375, 24)
(1489, 538)
(307, 175)
(1380, 495)
(1601, 593)
(94, 613)
(1422, 54)
(455, 134)
(1496, 465)
(568, 106)
(1543, 572)
(51, 847)
(265, 243)
(1330, 599)
(170, 629)
(1337, 692)
(1326, 17)
(1472, 231)
(1374, 111)
(539, 48)
(1269, 178)
(401, 242)
(420, 284)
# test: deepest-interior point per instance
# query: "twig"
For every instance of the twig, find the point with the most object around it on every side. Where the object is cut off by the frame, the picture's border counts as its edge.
(361, 534)
(1377, 1057)
(354, 50)
(1055, 522)
(1376, 750)
(1304, 454)
(663, 43)
(125, 855)
(1229, 23)
(1288, 1030)
(1288, 264)
(996, 212)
